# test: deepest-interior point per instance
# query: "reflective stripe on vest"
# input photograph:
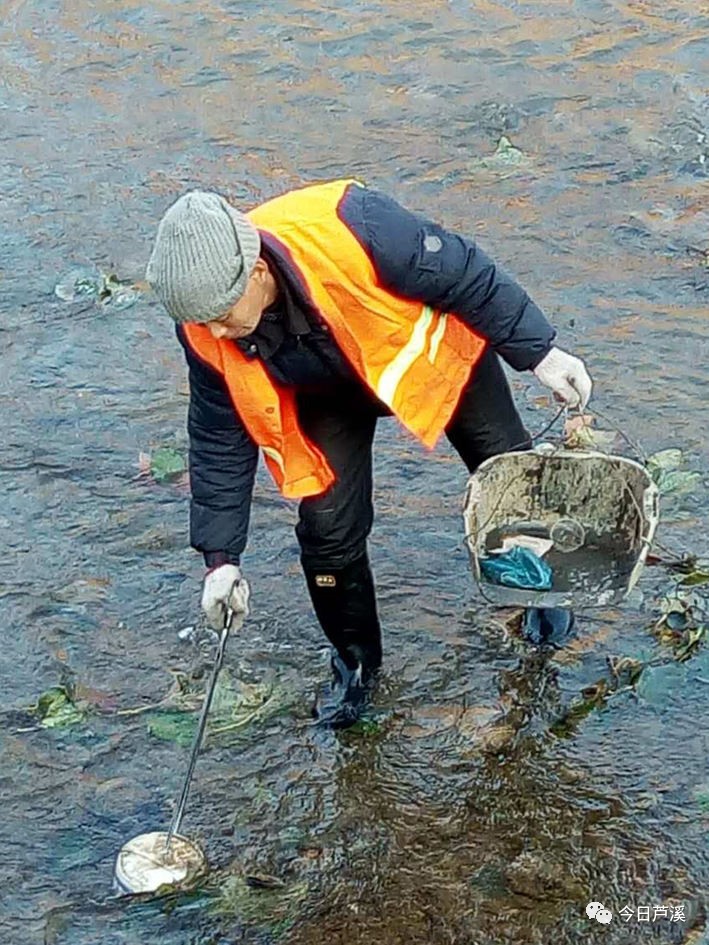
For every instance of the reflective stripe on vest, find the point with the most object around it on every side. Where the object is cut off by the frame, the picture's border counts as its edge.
(417, 345)
(415, 359)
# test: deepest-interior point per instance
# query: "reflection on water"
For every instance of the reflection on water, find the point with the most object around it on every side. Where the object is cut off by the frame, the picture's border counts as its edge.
(463, 816)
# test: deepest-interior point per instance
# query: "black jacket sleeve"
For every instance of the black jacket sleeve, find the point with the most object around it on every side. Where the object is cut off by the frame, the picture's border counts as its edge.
(419, 259)
(223, 459)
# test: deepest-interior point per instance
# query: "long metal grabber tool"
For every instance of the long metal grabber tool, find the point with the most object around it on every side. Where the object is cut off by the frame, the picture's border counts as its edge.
(158, 860)
(199, 735)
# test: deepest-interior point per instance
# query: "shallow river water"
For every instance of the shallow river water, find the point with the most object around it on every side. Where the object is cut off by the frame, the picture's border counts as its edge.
(483, 807)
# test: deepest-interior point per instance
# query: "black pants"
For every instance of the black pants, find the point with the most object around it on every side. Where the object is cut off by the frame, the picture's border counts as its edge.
(333, 528)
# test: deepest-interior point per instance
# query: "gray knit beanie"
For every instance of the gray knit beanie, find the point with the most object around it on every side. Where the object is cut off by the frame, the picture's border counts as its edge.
(204, 253)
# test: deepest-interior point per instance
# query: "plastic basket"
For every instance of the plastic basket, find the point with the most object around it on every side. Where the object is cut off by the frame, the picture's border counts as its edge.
(598, 511)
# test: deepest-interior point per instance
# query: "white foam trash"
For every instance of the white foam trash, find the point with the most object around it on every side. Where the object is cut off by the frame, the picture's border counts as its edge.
(146, 865)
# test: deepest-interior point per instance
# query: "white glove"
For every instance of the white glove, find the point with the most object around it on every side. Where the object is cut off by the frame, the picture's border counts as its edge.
(223, 588)
(566, 376)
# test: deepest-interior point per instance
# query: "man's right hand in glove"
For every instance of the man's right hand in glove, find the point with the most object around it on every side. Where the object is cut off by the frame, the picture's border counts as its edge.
(225, 588)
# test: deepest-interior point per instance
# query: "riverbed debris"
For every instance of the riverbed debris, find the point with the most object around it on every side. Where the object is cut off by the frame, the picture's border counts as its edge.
(682, 624)
(506, 158)
(260, 900)
(581, 433)
(58, 707)
(89, 282)
(164, 464)
(236, 706)
(664, 467)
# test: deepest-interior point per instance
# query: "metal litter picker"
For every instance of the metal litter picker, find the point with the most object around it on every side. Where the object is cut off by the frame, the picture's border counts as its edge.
(154, 860)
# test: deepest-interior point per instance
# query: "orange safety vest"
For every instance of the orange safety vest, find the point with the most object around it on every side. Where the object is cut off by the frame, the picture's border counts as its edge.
(415, 359)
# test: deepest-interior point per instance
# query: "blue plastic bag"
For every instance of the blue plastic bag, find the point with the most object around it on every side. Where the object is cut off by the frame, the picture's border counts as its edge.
(517, 567)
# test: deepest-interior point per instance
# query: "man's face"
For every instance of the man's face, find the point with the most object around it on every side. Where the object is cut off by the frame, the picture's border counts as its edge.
(244, 315)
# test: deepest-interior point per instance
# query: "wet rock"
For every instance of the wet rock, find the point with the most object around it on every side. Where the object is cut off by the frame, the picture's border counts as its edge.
(489, 879)
(537, 876)
(481, 728)
(257, 902)
(88, 590)
(156, 537)
(263, 881)
(570, 775)
(697, 167)
(499, 117)
(485, 730)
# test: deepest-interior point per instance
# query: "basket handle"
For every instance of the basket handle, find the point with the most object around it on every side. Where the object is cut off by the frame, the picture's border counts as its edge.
(651, 511)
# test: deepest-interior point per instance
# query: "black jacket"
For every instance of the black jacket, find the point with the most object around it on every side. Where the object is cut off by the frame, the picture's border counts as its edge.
(414, 258)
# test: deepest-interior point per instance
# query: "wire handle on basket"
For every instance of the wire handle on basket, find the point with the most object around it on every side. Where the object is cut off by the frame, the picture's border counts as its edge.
(537, 436)
(564, 410)
(640, 454)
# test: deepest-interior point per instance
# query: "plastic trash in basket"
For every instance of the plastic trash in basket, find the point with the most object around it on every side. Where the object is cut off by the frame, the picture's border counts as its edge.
(596, 514)
(517, 567)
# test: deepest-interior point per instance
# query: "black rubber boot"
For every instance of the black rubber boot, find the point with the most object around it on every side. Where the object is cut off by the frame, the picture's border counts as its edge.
(548, 626)
(344, 700)
(345, 605)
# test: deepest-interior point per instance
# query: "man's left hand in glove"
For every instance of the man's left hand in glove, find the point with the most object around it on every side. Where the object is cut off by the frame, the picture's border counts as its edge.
(566, 376)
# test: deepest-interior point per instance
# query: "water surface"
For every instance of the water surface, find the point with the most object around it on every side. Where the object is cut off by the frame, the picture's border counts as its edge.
(471, 816)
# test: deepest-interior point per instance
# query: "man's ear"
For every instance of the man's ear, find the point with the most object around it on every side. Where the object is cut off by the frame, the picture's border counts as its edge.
(260, 269)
